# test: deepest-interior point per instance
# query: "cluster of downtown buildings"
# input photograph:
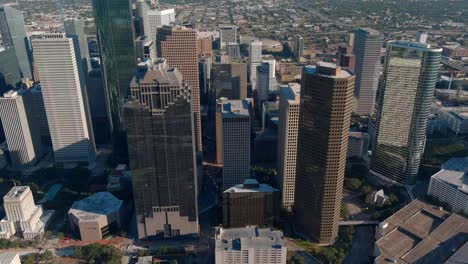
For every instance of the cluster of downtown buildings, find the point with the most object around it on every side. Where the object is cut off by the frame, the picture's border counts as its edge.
(157, 82)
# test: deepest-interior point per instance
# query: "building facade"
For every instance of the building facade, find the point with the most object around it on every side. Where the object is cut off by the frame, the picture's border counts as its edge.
(255, 58)
(298, 46)
(178, 45)
(65, 99)
(230, 80)
(404, 106)
(250, 203)
(10, 72)
(75, 28)
(367, 50)
(162, 151)
(115, 32)
(250, 245)
(233, 137)
(227, 33)
(21, 129)
(322, 146)
(289, 104)
(156, 19)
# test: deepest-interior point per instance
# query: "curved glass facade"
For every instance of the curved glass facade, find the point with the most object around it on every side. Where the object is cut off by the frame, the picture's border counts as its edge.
(404, 104)
(115, 33)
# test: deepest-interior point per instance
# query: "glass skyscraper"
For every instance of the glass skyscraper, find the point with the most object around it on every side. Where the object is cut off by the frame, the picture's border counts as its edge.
(115, 33)
(404, 104)
(14, 36)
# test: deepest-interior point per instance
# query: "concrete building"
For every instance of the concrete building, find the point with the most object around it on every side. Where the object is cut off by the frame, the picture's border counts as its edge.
(290, 100)
(250, 203)
(145, 48)
(454, 118)
(358, 144)
(65, 99)
(250, 245)
(163, 160)
(233, 51)
(10, 258)
(420, 233)
(266, 83)
(298, 46)
(178, 45)
(10, 72)
(21, 129)
(156, 19)
(367, 49)
(454, 51)
(96, 217)
(233, 135)
(404, 105)
(14, 37)
(255, 58)
(74, 28)
(289, 72)
(205, 48)
(22, 214)
(322, 148)
(449, 185)
(141, 18)
(227, 33)
(230, 80)
(376, 198)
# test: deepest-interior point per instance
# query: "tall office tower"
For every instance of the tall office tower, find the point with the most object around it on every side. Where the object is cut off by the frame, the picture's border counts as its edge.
(40, 116)
(230, 80)
(421, 37)
(157, 19)
(178, 45)
(21, 131)
(142, 9)
(345, 57)
(163, 160)
(367, 49)
(350, 40)
(96, 98)
(14, 36)
(22, 214)
(290, 100)
(265, 82)
(204, 69)
(233, 132)
(10, 72)
(233, 51)
(75, 28)
(324, 119)
(65, 99)
(115, 34)
(145, 48)
(227, 33)
(205, 44)
(298, 46)
(255, 58)
(404, 105)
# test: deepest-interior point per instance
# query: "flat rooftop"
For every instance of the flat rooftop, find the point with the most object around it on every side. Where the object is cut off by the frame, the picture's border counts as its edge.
(421, 232)
(251, 185)
(327, 69)
(8, 258)
(249, 237)
(95, 206)
(16, 193)
(457, 179)
(235, 107)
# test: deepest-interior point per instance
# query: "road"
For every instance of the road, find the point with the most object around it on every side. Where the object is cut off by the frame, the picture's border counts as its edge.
(309, 259)
(361, 247)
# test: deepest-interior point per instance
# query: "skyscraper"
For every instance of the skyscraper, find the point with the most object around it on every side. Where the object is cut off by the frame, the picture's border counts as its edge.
(178, 45)
(10, 72)
(290, 100)
(161, 142)
(227, 33)
(233, 51)
(233, 132)
(156, 19)
(21, 131)
(367, 49)
(324, 119)
(265, 82)
(115, 34)
(65, 99)
(298, 46)
(255, 58)
(75, 27)
(14, 36)
(404, 105)
(230, 80)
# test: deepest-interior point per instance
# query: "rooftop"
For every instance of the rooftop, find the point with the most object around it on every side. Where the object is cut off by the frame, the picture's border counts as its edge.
(249, 237)
(16, 193)
(251, 185)
(456, 164)
(327, 69)
(95, 206)
(421, 232)
(414, 45)
(457, 179)
(235, 107)
(8, 258)
(369, 31)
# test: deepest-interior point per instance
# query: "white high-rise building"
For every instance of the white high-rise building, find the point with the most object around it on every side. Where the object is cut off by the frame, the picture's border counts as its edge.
(266, 83)
(21, 130)
(367, 49)
(22, 214)
(227, 33)
(255, 58)
(290, 101)
(233, 132)
(65, 99)
(298, 46)
(156, 19)
(250, 245)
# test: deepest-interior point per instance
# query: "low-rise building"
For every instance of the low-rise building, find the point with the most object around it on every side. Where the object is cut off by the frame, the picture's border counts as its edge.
(450, 185)
(22, 214)
(377, 198)
(420, 233)
(250, 203)
(96, 216)
(10, 258)
(250, 245)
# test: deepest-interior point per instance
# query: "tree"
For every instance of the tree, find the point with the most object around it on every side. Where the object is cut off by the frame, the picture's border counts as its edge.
(393, 198)
(352, 184)
(298, 260)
